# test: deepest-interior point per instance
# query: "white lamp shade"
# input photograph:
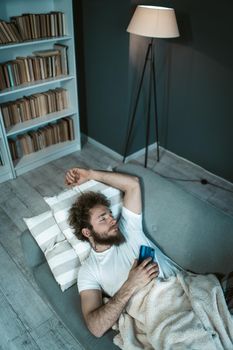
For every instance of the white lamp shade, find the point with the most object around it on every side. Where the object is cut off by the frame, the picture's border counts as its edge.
(154, 22)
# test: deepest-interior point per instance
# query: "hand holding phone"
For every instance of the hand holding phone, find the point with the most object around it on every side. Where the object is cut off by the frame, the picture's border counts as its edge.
(146, 252)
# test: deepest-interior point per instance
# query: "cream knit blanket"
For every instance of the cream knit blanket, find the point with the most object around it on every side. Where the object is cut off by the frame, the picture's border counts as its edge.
(187, 312)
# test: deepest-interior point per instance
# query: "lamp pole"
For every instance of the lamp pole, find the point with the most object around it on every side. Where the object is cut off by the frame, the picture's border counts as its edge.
(149, 59)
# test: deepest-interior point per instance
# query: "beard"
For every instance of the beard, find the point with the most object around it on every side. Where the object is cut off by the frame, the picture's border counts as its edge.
(112, 240)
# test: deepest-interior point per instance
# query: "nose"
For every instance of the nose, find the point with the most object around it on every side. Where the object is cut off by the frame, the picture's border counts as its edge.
(112, 220)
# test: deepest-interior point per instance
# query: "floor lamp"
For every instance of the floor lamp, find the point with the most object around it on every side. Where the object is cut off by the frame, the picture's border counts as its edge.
(152, 22)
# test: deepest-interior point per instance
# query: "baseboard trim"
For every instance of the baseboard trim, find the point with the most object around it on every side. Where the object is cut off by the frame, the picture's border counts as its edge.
(118, 155)
(141, 152)
(102, 147)
(198, 166)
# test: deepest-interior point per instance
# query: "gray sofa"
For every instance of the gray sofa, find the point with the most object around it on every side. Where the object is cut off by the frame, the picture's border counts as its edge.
(193, 233)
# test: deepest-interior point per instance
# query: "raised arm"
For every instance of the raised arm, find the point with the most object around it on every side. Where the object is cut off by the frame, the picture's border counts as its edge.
(126, 183)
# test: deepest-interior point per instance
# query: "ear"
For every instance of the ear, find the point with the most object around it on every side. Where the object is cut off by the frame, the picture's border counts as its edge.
(86, 232)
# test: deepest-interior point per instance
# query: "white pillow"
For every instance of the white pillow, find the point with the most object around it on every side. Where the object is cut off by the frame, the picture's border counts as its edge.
(61, 204)
(61, 257)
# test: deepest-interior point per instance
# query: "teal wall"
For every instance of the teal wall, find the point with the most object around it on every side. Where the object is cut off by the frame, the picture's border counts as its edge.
(105, 70)
(193, 74)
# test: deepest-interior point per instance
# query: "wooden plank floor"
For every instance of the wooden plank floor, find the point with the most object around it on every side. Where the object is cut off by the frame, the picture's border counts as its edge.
(27, 320)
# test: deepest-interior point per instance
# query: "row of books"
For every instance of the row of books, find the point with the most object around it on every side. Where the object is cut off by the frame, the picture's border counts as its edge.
(34, 106)
(41, 138)
(9, 33)
(31, 26)
(43, 65)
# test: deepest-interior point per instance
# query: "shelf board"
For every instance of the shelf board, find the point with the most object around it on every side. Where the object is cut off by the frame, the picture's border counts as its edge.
(45, 155)
(40, 121)
(35, 84)
(34, 42)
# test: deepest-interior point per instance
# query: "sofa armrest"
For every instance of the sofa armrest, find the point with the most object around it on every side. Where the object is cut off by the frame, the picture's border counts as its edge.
(32, 252)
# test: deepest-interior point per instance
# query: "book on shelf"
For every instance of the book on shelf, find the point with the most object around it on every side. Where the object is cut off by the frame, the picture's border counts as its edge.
(2, 79)
(41, 138)
(32, 26)
(43, 65)
(13, 149)
(34, 106)
(70, 128)
(47, 53)
(63, 52)
(9, 33)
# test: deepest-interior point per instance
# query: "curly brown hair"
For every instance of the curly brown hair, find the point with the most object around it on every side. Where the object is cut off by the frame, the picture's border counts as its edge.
(79, 213)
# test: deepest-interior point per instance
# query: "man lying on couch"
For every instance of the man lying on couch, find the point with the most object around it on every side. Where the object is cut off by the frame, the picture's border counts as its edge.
(112, 267)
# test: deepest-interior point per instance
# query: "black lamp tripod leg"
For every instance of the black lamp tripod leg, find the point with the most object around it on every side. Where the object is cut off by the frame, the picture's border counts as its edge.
(148, 113)
(136, 103)
(155, 107)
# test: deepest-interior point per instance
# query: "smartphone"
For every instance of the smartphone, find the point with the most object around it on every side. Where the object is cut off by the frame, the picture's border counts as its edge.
(146, 252)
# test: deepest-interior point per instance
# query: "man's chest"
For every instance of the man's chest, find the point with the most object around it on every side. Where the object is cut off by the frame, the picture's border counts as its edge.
(113, 272)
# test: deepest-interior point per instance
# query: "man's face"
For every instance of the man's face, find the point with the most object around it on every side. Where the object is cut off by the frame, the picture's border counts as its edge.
(105, 228)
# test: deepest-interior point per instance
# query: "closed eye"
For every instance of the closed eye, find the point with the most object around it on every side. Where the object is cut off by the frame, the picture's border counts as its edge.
(105, 215)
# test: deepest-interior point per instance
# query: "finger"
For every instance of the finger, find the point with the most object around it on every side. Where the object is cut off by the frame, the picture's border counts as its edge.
(68, 182)
(154, 275)
(152, 265)
(152, 270)
(70, 177)
(74, 171)
(68, 173)
(145, 262)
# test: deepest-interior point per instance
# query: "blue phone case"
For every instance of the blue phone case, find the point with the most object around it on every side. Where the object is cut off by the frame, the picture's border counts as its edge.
(146, 252)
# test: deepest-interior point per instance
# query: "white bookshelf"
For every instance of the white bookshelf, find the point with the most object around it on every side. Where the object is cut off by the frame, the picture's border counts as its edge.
(8, 52)
(6, 172)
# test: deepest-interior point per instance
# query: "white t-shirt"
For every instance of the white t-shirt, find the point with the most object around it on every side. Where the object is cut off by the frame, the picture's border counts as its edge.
(108, 270)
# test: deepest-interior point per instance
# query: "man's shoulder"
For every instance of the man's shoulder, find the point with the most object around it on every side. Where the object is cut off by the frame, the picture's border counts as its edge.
(130, 219)
(126, 213)
(86, 263)
(87, 267)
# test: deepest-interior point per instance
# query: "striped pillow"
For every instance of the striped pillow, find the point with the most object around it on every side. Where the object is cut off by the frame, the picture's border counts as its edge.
(61, 204)
(61, 257)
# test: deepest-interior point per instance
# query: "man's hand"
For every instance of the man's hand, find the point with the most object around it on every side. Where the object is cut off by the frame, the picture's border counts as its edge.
(140, 275)
(77, 176)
